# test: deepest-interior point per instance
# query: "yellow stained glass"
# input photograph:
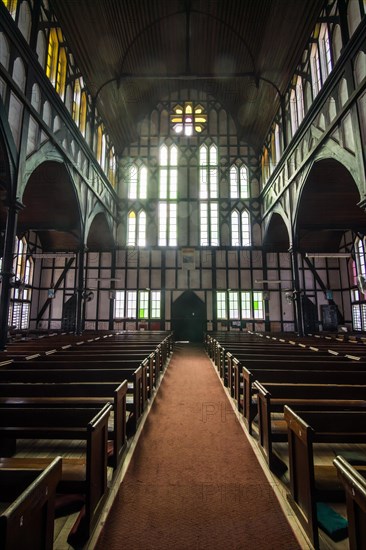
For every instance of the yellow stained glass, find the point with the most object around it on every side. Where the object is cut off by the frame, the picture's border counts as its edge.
(188, 118)
(12, 6)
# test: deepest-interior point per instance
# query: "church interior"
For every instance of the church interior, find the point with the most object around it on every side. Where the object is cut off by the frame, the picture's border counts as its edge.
(183, 182)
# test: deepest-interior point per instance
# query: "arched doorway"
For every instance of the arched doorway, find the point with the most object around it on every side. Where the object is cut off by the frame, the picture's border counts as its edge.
(189, 317)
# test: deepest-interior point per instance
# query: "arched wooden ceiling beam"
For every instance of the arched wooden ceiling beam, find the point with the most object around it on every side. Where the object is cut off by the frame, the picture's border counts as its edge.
(186, 76)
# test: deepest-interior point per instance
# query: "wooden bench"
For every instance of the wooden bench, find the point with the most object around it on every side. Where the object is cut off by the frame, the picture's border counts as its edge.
(72, 359)
(234, 365)
(311, 483)
(83, 394)
(315, 364)
(355, 489)
(248, 405)
(273, 397)
(27, 502)
(94, 362)
(88, 476)
(136, 398)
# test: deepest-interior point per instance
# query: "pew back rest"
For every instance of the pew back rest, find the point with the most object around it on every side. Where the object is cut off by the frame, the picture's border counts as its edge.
(96, 469)
(30, 517)
(310, 391)
(355, 488)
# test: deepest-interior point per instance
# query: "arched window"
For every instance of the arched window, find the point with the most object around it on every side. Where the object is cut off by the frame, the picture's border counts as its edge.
(52, 56)
(265, 166)
(168, 193)
(321, 63)
(234, 183)
(137, 182)
(25, 20)
(83, 113)
(297, 106)
(104, 151)
(277, 134)
(325, 52)
(300, 100)
(239, 187)
(12, 7)
(316, 77)
(244, 182)
(353, 15)
(19, 73)
(131, 229)
(235, 229)
(136, 229)
(293, 112)
(168, 181)
(141, 229)
(99, 143)
(112, 167)
(76, 102)
(61, 73)
(208, 172)
(240, 228)
(245, 229)
(208, 190)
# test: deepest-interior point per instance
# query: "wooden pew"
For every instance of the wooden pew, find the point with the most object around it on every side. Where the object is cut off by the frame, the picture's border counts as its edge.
(311, 483)
(233, 365)
(220, 349)
(136, 378)
(94, 362)
(71, 394)
(245, 400)
(80, 359)
(88, 477)
(355, 489)
(27, 501)
(309, 364)
(273, 397)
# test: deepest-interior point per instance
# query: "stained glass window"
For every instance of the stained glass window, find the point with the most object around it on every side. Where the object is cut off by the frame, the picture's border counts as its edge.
(188, 119)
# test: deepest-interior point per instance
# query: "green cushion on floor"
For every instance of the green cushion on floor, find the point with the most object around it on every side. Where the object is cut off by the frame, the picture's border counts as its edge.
(332, 523)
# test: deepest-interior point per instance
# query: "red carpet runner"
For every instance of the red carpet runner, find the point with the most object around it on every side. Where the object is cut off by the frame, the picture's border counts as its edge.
(194, 482)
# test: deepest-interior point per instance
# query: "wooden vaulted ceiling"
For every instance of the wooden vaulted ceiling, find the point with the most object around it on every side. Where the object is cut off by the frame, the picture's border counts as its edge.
(133, 53)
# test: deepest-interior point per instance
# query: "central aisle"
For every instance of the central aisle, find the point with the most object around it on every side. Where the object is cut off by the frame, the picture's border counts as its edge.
(194, 481)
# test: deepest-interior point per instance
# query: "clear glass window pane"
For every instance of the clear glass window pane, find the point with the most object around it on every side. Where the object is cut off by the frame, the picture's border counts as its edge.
(119, 304)
(245, 229)
(155, 304)
(235, 230)
(204, 224)
(131, 304)
(214, 212)
(131, 229)
(221, 305)
(163, 223)
(234, 305)
(173, 225)
(258, 305)
(246, 305)
(143, 304)
(132, 187)
(244, 185)
(234, 193)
